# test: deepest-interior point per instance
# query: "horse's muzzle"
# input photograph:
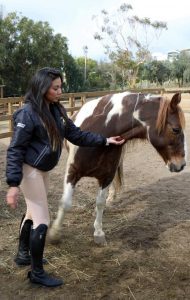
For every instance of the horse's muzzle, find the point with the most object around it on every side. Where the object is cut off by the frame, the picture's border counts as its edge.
(176, 168)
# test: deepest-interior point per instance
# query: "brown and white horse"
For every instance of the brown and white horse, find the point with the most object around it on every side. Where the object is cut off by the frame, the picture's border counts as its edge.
(130, 115)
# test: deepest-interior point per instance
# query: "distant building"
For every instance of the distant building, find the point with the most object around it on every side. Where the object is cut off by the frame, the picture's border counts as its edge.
(159, 56)
(186, 51)
(173, 55)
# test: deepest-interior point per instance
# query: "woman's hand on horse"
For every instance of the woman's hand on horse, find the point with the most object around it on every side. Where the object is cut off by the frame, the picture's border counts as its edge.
(12, 196)
(116, 140)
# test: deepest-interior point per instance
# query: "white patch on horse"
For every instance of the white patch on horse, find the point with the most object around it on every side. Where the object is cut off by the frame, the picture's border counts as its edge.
(68, 193)
(136, 117)
(72, 151)
(147, 131)
(86, 111)
(117, 108)
(149, 97)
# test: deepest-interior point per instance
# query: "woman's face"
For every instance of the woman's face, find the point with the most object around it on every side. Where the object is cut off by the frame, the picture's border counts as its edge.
(54, 92)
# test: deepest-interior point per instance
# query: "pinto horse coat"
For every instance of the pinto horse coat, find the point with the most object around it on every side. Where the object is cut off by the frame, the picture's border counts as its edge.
(132, 116)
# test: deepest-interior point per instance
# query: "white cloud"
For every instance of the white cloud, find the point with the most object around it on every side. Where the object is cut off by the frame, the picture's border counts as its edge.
(159, 56)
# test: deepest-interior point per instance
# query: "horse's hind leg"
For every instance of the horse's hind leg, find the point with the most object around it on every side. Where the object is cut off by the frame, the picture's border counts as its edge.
(99, 235)
(65, 204)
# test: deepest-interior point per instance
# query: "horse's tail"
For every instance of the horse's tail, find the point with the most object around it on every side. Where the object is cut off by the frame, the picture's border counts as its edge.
(119, 172)
(119, 177)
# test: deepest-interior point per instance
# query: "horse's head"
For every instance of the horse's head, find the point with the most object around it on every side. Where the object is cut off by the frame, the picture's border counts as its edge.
(167, 135)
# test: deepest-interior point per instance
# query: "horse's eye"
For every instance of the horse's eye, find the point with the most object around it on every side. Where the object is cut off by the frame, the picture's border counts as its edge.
(176, 130)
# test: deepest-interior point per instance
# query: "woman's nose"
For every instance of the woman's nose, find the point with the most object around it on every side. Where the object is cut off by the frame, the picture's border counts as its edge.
(59, 91)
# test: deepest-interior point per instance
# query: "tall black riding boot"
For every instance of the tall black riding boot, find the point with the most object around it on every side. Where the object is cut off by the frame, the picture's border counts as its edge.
(23, 256)
(37, 243)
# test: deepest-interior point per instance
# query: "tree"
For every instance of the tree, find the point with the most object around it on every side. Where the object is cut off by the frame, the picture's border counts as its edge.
(26, 46)
(126, 39)
(179, 68)
(99, 76)
(187, 75)
(73, 78)
(155, 71)
(88, 72)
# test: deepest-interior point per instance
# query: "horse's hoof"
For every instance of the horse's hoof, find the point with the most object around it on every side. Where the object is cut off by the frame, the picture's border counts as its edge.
(100, 240)
(54, 236)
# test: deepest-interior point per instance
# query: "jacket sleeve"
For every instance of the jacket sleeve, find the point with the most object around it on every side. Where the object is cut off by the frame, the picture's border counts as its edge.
(23, 129)
(83, 138)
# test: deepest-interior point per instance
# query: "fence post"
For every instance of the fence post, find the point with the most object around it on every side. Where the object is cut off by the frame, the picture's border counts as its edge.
(83, 100)
(162, 92)
(10, 112)
(20, 104)
(71, 104)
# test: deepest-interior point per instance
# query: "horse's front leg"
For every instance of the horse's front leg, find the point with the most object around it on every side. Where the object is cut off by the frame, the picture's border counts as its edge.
(99, 235)
(55, 232)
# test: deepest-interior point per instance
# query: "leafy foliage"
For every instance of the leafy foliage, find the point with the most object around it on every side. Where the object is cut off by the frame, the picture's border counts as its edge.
(26, 46)
(181, 68)
(156, 71)
(126, 39)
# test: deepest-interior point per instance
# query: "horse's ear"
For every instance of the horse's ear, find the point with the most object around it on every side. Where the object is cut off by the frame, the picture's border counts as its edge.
(175, 101)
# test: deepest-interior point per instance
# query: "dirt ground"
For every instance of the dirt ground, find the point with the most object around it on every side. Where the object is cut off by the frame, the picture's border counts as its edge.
(147, 256)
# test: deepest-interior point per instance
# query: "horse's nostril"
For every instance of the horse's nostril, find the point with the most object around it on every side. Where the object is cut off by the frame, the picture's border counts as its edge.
(172, 168)
(175, 168)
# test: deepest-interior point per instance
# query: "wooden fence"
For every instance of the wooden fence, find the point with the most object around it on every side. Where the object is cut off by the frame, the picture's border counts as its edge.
(71, 101)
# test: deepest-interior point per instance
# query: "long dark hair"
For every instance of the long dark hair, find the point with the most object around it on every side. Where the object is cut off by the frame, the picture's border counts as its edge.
(39, 85)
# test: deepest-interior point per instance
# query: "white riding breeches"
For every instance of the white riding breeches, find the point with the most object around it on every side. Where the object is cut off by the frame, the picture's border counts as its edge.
(34, 186)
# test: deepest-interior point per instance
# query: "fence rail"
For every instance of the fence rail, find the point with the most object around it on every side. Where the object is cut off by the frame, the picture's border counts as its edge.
(72, 102)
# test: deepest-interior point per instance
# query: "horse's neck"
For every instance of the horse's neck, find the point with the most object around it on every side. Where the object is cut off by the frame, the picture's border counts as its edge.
(142, 115)
(148, 112)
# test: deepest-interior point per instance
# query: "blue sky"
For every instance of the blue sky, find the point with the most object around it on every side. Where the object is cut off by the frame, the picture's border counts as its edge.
(73, 19)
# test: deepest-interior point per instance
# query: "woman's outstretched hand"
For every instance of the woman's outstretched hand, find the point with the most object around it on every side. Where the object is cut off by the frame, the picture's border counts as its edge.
(12, 196)
(116, 140)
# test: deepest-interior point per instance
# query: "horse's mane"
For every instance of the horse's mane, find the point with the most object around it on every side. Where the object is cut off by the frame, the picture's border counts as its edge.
(162, 115)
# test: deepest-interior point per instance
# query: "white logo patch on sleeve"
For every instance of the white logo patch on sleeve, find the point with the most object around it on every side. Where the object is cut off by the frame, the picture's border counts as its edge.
(21, 125)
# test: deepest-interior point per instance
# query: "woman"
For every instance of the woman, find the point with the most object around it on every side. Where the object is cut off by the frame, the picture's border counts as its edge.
(39, 129)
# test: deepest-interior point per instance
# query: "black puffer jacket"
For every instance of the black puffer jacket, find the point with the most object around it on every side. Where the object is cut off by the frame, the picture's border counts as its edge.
(30, 143)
